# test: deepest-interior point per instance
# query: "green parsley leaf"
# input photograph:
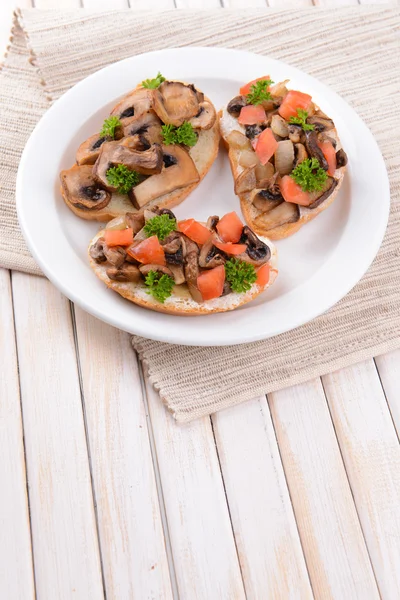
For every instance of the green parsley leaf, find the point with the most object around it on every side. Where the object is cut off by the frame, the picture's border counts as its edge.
(109, 127)
(160, 285)
(259, 92)
(240, 275)
(301, 120)
(184, 134)
(309, 175)
(152, 84)
(122, 178)
(161, 226)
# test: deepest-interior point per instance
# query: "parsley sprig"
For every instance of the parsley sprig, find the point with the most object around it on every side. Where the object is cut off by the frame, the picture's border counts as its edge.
(259, 92)
(184, 134)
(122, 178)
(152, 84)
(240, 275)
(301, 120)
(309, 175)
(110, 126)
(160, 285)
(161, 226)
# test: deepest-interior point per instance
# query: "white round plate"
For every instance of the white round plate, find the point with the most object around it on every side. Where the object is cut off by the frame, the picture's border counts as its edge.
(317, 266)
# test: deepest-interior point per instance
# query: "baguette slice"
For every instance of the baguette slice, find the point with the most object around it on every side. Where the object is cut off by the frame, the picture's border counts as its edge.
(181, 302)
(203, 155)
(250, 212)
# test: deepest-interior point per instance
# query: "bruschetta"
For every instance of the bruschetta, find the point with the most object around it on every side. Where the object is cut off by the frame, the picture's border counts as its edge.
(154, 148)
(285, 154)
(183, 267)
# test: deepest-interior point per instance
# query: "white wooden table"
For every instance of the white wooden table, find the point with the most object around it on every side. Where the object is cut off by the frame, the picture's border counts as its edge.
(103, 496)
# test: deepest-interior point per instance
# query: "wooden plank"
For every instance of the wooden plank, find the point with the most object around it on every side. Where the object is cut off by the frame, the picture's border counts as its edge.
(202, 541)
(267, 540)
(327, 520)
(16, 570)
(66, 553)
(388, 366)
(371, 453)
(130, 528)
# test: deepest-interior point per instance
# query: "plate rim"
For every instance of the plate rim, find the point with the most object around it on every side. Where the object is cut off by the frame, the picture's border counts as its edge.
(234, 339)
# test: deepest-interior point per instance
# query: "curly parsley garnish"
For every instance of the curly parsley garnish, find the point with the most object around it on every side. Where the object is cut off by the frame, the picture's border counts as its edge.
(259, 92)
(309, 175)
(301, 120)
(152, 84)
(160, 285)
(122, 178)
(161, 226)
(240, 275)
(184, 134)
(109, 127)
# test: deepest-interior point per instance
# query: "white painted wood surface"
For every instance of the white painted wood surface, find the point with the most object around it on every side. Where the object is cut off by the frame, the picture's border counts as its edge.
(304, 504)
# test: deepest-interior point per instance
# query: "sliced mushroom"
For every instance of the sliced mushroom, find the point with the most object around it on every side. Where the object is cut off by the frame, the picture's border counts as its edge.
(296, 134)
(113, 153)
(253, 130)
(82, 190)
(96, 251)
(321, 196)
(314, 150)
(164, 211)
(341, 158)
(321, 123)
(173, 249)
(133, 105)
(271, 192)
(174, 102)
(300, 153)
(210, 256)
(89, 150)
(192, 271)
(115, 255)
(257, 252)
(265, 204)
(178, 175)
(205, 118)
(246, 181)
(284, 157)
(146, 126)
(284, 213)
(212, 223)
(145, 269)
(235, 105)
(279, 126)
(126, 272)
(135, 220)
(264, 173)
(177, 273)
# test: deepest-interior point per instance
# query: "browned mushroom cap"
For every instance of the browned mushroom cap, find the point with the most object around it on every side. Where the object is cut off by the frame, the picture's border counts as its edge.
(341, 158)
(210, 256)
(235, 105)
(321, 122)
(96, 251)
(145, 269)
(175, 102)
(326, 191)
(296, 133)
(300, 154)
(135, 220)
(212, 223)
(263, 199)
(89, 150)
(257, 252)
(133, 105)
(279, 214)
(246, 180)
(146, 126)
(205, 118)
(115, 255)
(314, 150)
(82, 190)
(179, 172)
(113, 153)
(126, 272)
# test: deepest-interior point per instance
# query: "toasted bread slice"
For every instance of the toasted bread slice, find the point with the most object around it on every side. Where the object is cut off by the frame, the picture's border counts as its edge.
(250, 212)
(181, 302)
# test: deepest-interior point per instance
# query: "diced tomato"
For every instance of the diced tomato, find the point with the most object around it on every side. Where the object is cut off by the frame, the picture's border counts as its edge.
(194, 230)
(230, 227)
(148, 252)
(230, 248)
(329, 152)
(251, 115)
(292, 102)
(123, 237)
(263, 275)
(245, 89)
(266, 146)
(211, 283)
(292, 192)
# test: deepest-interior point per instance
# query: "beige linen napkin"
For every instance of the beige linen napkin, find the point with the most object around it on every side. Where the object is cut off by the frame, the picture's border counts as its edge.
(354, 50)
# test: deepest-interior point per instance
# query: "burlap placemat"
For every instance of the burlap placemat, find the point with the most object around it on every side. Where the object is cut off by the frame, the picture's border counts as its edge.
(354, 50)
